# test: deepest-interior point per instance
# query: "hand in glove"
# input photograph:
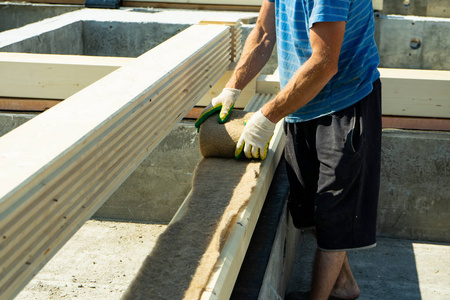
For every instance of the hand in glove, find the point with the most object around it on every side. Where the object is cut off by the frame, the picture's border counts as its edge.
(224, 102)
(254, 140)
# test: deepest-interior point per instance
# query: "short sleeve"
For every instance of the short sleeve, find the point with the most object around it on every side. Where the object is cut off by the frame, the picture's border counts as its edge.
(329, 11)
(271, 0)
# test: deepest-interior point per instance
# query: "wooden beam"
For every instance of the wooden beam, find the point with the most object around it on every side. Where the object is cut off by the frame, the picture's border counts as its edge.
(415, 123)
(60, 167)
(26, 104)
(236, 33)
(48, 76)
(405, 92)
(416, 93)
(246, 94)
(377, 4)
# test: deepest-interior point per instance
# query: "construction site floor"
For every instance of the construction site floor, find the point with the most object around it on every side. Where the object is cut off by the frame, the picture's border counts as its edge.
(100, 261)
(394, 269)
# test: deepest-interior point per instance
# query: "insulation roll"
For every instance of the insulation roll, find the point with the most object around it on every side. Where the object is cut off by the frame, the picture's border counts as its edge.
(219, 140)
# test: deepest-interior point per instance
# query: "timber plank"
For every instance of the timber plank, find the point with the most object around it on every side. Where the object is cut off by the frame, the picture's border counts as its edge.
(27, 104)
(48, 76)
(417, 93)
(416, 123)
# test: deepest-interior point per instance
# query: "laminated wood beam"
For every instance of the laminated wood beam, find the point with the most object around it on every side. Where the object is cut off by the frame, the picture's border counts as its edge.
(60, 167)
(416, 93)
(377, 4)
(246, 94)
(406, 92)
(46, 76)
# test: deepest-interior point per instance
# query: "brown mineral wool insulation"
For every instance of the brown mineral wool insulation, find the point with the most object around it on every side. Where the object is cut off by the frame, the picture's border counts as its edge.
(219, 140)
(184, 256)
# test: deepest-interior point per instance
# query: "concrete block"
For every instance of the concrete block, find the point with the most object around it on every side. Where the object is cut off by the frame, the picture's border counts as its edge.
(67, 39)
(9, 121)
(15, 15)
(397, 39)
(426, 8)
(415, 185)
(156, 189)
(125, 39)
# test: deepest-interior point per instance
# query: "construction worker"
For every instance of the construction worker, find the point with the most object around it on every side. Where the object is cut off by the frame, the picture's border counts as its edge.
(331, 100)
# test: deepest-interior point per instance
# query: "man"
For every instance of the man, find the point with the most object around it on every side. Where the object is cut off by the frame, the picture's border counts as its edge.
(330, 98)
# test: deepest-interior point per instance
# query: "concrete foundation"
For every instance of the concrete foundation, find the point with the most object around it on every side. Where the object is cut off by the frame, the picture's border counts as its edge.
(426, 8)
(160, 184)
(99, 32)
(156, 189)
(415, 189)
(410, 42)
(413, 42)
(15, 15)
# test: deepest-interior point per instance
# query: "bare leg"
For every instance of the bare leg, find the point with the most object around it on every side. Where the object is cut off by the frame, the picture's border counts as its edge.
(346, 286)
(327, 267)
(332, 276)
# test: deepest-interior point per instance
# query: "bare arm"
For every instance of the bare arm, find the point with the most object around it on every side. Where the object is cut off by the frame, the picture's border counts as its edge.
(326, 41)
(257, 49)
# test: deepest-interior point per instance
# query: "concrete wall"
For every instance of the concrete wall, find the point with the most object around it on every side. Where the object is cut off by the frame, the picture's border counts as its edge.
(14, 15)
(67, 39)
(415, 185)
(129, 34)
(427, 8)
(9, 121)
(394, 36)
(125, 39)
(154, 192)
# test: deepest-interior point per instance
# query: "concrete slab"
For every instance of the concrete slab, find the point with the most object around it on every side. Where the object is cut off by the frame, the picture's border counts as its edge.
(98, 262)
(395, 269)
(103, 257)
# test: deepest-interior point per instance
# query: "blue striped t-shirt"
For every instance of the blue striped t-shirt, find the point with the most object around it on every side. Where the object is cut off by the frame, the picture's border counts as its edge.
(358, 60)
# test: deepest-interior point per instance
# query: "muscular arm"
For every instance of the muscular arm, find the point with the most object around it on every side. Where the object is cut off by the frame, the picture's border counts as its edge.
(326, 41)
(257, 49)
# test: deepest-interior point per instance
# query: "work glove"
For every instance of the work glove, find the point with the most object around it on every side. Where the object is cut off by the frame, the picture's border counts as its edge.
(224, 102)
(255, 138)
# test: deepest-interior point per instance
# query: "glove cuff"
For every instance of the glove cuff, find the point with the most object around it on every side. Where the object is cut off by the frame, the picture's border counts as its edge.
(233, 92)
(262, 121)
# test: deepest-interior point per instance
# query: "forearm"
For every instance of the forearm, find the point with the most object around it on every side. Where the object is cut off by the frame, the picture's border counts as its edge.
(307, 82)
(326, 41)
(257, 51)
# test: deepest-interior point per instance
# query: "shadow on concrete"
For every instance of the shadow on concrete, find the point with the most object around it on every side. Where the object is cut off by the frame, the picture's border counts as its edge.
(186, 252)
(387, 271)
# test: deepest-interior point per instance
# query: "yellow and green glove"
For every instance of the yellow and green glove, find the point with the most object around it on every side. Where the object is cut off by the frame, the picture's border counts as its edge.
(223, 103)
(255, 138)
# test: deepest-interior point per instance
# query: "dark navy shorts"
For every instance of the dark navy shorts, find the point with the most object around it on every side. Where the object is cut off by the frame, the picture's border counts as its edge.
(333, 166)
